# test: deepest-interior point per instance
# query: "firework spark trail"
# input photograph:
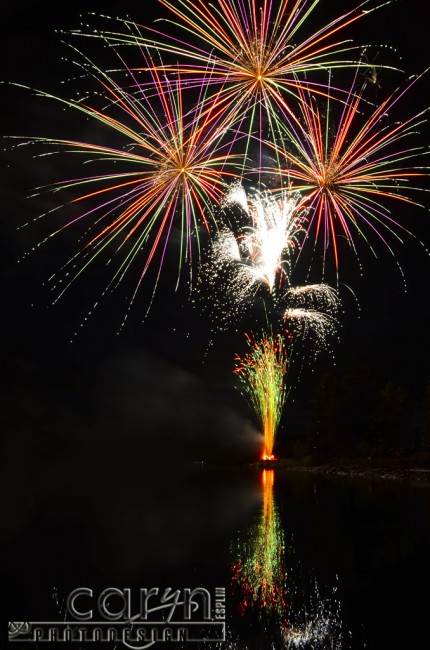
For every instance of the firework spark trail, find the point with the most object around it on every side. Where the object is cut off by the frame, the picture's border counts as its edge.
(318, 293)
(310, 311)
(262, 375)
(259, 567)
(346, 174)
(177, 166)
(253, 53)
(312, 322)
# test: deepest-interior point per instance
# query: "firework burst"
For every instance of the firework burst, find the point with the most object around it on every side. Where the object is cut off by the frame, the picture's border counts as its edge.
(172, 170)
(348, 172)
(260, 255)
(254, 52)
(263, 250)
(260, 258)
(254, 259)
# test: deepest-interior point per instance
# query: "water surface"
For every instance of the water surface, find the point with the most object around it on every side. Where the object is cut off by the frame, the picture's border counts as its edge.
(307, 561)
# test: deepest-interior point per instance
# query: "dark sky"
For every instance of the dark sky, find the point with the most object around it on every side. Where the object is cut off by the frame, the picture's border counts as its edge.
(161, 367)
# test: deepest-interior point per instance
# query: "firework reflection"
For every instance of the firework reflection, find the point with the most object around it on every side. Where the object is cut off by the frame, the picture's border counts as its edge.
(269, 581)
(259, 569)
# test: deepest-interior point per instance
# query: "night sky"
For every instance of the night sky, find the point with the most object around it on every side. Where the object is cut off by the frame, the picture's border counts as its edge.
(157, 382)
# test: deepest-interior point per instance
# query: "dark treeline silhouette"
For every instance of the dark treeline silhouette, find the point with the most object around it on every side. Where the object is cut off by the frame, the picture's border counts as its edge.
(354, 413)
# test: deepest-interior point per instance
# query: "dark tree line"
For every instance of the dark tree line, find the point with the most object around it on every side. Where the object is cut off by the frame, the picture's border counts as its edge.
(354, 413)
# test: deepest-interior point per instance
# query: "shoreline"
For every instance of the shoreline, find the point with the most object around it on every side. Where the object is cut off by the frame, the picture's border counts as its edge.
(385, 469)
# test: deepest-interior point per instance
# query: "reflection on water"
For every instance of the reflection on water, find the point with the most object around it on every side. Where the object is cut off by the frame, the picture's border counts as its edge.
(259, 569)
(268, 579)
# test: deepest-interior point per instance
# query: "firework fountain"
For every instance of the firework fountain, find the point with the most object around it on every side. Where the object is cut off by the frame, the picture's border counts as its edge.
(262, 374)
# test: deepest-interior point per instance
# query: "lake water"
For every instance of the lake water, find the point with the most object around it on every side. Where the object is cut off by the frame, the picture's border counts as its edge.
(306, 561)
